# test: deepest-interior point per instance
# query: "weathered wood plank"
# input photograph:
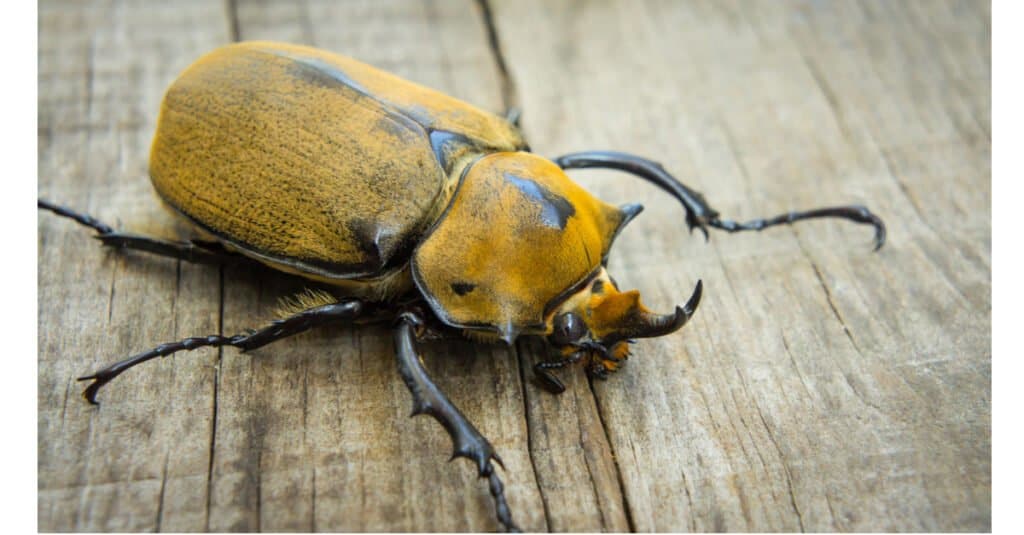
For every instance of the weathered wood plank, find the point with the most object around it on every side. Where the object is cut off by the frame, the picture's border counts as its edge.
(139, 462)
(820, 387)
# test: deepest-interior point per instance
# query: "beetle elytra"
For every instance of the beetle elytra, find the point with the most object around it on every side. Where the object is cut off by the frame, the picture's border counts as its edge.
(412, 206)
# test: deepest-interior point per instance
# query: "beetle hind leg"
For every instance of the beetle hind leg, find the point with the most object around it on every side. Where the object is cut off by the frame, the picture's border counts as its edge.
(197, 252)
(427, 398)
(346, 310)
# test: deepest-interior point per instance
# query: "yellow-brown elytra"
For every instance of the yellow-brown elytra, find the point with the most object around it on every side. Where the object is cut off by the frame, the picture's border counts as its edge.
(413, 206)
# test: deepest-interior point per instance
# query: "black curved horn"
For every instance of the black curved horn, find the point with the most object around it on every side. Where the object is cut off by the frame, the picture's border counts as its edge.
(652, 325)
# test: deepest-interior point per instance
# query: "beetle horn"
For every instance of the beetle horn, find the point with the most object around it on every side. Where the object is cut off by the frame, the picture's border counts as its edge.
(651, 325)
(615, 316)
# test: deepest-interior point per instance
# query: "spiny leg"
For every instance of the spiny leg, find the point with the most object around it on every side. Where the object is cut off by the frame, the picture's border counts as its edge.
(197, 252)
(427, 398)
(346, 310)
(699, 213)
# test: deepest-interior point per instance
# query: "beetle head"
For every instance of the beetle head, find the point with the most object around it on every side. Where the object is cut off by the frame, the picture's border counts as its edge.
(599, 322)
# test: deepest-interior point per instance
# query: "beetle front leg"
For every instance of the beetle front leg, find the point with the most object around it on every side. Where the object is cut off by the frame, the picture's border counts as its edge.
(193, 251)
(546, 379)
(427, 398)
(347, 310)
(699, 214)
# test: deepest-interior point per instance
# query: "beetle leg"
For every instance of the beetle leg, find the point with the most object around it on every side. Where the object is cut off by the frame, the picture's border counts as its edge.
(548, 380)
(427, 398)
(598, 370)
(303, 321)
(513, 115)
(194, 251)
(699, 214)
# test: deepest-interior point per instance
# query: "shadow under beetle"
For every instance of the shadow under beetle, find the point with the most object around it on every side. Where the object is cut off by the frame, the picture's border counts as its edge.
(417, 207)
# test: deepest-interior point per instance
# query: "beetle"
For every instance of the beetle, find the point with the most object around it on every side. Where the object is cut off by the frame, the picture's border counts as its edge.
(416, 208)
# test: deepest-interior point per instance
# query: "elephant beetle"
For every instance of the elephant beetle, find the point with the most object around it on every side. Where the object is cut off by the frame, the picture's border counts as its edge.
(413, 206)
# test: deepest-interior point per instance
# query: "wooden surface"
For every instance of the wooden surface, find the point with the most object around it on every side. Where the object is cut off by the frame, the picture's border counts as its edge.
(820, 387)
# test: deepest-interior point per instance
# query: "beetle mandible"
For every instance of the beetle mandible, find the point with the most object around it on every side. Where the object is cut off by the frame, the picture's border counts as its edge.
(414, 206)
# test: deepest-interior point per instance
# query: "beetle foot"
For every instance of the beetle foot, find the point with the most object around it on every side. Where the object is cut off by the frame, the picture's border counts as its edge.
(481, 452)
(547, 380)
(476, 448)
(98, 379)
(693, 221)
(601, 367)
(603, 364)
(598, 371)
(612, 365)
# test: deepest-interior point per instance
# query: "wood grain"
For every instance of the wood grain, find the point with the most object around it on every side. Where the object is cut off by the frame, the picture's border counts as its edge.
(820, 387)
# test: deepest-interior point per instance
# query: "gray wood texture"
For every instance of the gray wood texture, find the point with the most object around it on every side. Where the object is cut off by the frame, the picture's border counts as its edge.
(820, 387)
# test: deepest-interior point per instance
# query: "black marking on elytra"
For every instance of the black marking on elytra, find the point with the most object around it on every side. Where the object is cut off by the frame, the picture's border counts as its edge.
(462, 288)
(323, 74)
(446, 146)
(555, 210)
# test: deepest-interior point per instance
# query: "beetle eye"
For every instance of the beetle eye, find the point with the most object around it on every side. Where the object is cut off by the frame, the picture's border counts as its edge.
(568, 328)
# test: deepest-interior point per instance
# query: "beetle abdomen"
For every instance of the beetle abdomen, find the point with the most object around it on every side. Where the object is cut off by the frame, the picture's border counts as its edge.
(295, 156)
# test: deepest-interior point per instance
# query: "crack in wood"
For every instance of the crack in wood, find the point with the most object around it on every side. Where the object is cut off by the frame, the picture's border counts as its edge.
(580, 433)
(627, 511)
(312, 514)
(785, 467)
(163, 490)
(830, 97)
(849, 335)
(521, 358)
(234, 29)
(691, 518)
(792, 360)
(90, 76)
(216, 389)
(113, 284)
(509, 95)
(832, 513)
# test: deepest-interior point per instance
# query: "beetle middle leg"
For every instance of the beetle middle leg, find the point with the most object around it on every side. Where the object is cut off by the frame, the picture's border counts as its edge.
(699, 213)
(345, 310)
(427, 398)
(197, 252)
